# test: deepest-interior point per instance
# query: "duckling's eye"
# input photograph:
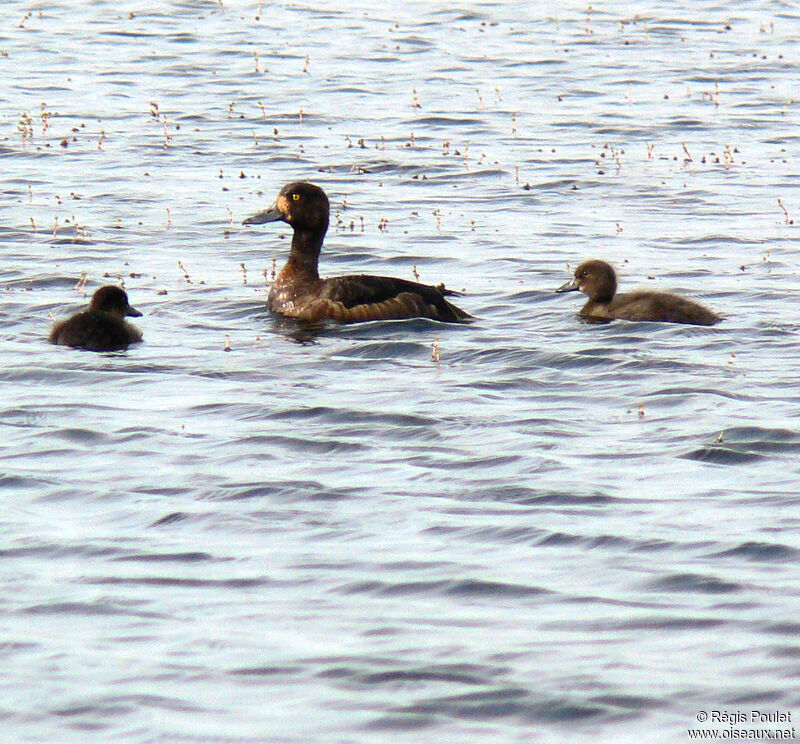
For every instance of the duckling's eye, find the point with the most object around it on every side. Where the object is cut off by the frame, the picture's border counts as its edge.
(584, 274)
(296, 197)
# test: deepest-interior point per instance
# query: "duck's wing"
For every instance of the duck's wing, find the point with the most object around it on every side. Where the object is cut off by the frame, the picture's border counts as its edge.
(361, 297)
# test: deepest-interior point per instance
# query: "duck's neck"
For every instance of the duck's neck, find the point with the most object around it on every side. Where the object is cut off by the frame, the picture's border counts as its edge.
(304, 256)
(607, 289)
(604, 296)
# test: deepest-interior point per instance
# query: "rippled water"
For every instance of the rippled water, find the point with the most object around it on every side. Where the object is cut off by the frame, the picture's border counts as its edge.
(558, 531)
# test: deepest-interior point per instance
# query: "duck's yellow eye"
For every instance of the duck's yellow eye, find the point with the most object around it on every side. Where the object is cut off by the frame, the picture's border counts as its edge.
(296, 197)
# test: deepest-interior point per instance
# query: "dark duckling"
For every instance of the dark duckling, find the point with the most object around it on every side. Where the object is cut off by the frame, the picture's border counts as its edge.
(103, 326)
(597, 280)
(298, 291)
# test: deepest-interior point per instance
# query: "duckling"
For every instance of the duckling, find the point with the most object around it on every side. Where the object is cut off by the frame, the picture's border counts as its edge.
(103, 326)
(298, 291)
(598, 280)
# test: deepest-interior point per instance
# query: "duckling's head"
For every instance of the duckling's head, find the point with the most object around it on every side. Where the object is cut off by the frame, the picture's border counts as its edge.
(303, 205)
(594, 278)
(114, 301)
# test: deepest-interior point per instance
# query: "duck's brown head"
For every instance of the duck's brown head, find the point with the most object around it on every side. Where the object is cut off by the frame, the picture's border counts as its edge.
(301, 204)
(594, 278)
(114, 301)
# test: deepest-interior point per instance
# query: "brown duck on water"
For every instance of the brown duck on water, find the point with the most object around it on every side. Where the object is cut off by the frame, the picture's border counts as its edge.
(298, 291)
(597, 280)
(103, 326)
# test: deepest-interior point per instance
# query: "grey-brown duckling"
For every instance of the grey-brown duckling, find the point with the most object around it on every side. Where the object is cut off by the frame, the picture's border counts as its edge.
(103, 326)
(598, 281)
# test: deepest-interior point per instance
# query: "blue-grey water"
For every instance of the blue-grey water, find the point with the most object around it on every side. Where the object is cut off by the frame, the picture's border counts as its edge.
(557, 531)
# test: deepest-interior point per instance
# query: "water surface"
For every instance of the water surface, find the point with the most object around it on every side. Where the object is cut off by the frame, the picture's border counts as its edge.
(558, 531)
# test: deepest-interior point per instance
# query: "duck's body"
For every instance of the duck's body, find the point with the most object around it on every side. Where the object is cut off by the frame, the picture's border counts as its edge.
(103, 326)
(299, 292)
(358, 297)
(598, 280)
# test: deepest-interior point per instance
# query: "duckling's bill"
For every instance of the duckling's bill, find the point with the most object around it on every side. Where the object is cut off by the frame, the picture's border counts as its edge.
(573, 285)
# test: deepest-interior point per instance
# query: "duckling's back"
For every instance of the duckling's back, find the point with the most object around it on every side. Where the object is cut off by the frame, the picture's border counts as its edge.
(663, 307)
(94, 331)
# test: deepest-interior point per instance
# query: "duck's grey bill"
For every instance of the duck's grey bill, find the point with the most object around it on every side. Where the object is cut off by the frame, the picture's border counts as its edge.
(570, 286)
(273, 214)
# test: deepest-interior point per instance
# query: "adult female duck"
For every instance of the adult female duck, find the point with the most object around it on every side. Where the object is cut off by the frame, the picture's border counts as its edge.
(298, 291)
